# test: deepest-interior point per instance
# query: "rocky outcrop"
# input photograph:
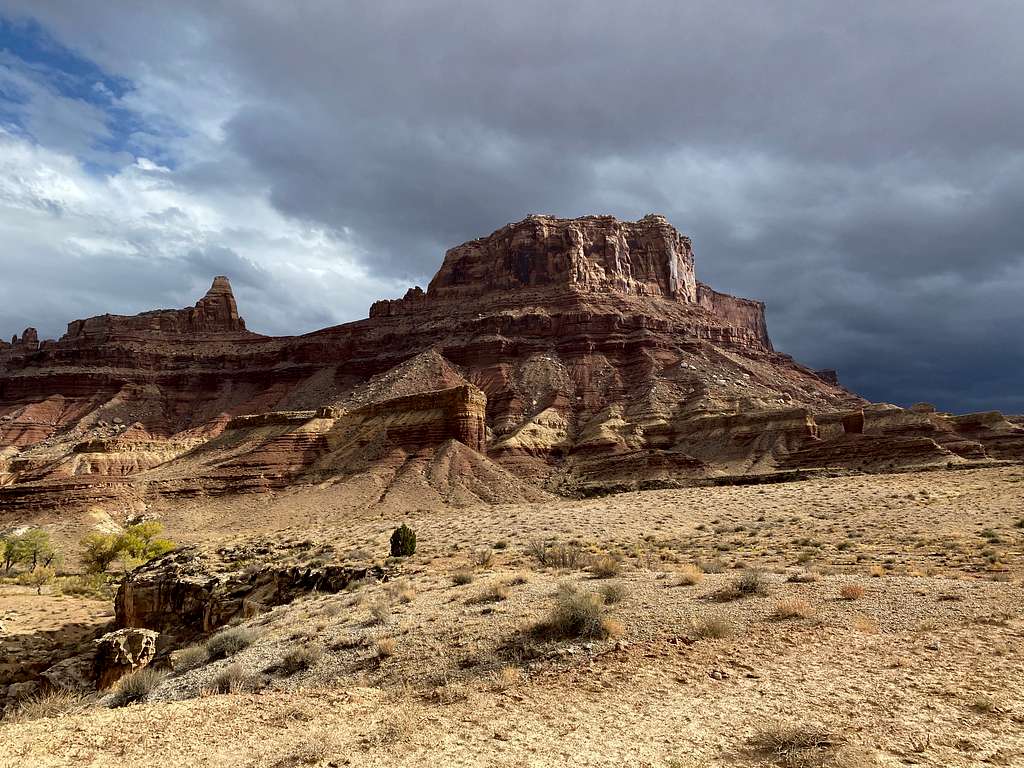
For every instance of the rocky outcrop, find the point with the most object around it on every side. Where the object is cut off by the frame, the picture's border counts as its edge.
(564, 351)
(593, 253)
(214, 314)
(120, 652)
(190, 591)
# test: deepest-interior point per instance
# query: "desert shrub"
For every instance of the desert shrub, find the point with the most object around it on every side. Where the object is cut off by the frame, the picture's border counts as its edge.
(614, 592)
(805, 745)
(38, 578)
(713, 627)
(137, 544)
(401, 591)
(403, 541)
(303, 657)
(604, 566)
(495, 593)
(462, 577)
(505, 678)
(234, 679)
(748, 584)
(792, 609)
(550, 554)
(57, 701)
(87, 585)
(482, 557)
(851, 591)
(136, 686)
(380, 610)
(517, 579)
(189, 658)
(716, 565)
(802, 577)
(576, 614)
(385, 647)
(229, 641)
(689, 575)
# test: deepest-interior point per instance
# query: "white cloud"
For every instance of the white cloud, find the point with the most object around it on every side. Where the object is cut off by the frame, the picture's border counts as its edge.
(64, 229)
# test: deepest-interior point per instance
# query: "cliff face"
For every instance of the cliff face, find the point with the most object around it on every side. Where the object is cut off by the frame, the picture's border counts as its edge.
(593, 253)
(569, 353)
(214, 314)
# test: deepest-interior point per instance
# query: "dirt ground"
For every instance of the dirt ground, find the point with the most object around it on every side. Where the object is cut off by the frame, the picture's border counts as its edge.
(904, 645)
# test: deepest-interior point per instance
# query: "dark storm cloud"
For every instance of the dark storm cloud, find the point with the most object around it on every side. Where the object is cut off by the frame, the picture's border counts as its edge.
(859, 167)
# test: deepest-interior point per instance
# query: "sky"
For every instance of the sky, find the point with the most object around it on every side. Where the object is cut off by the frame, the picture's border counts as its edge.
(858, 167)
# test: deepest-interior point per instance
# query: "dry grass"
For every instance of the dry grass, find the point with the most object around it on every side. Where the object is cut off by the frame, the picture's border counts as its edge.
(506, 678)
(401, 591)
(793, 608)
(136, 686)
(604, 567)
(747, 585)
(495, 593)
(52, 703)
(552, 555)
(462, 577)
(234, 679)
(713, 627)
(614, 592)
(301, 658)
(797, 745)
(577, 614)
(385, 647)
(189, 658)
(689, 576)
(230, 641)
(852, 591)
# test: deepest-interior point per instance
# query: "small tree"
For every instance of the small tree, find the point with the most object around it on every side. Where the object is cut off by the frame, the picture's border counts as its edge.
(38, 577)
(99, 550)
(136, 545)
(9, 552)
(403, 541)
(36, 548)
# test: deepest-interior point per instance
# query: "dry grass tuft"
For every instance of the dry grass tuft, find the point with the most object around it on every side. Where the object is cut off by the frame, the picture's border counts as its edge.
(604, 567)
(689, 576)
(234, 679)
(229, 641)
(189, 658)
(806, 745)
(401, 591)
(749, 584)
(614, 592)
(851, 591)
(303, 657)
(136, 686)
(58, 701)
(385, 647)
(495, 593)
(549, 554)
(715, 627)
(577, 614)
(793, 608)
(462, 577)
(505, 678)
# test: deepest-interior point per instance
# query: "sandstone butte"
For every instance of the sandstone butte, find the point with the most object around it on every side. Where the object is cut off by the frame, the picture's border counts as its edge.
(554, 355)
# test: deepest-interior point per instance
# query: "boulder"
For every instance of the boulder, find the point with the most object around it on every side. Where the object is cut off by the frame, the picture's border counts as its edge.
(120, 652)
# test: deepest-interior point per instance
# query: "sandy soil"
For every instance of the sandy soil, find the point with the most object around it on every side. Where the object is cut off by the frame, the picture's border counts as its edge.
(921, 662)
